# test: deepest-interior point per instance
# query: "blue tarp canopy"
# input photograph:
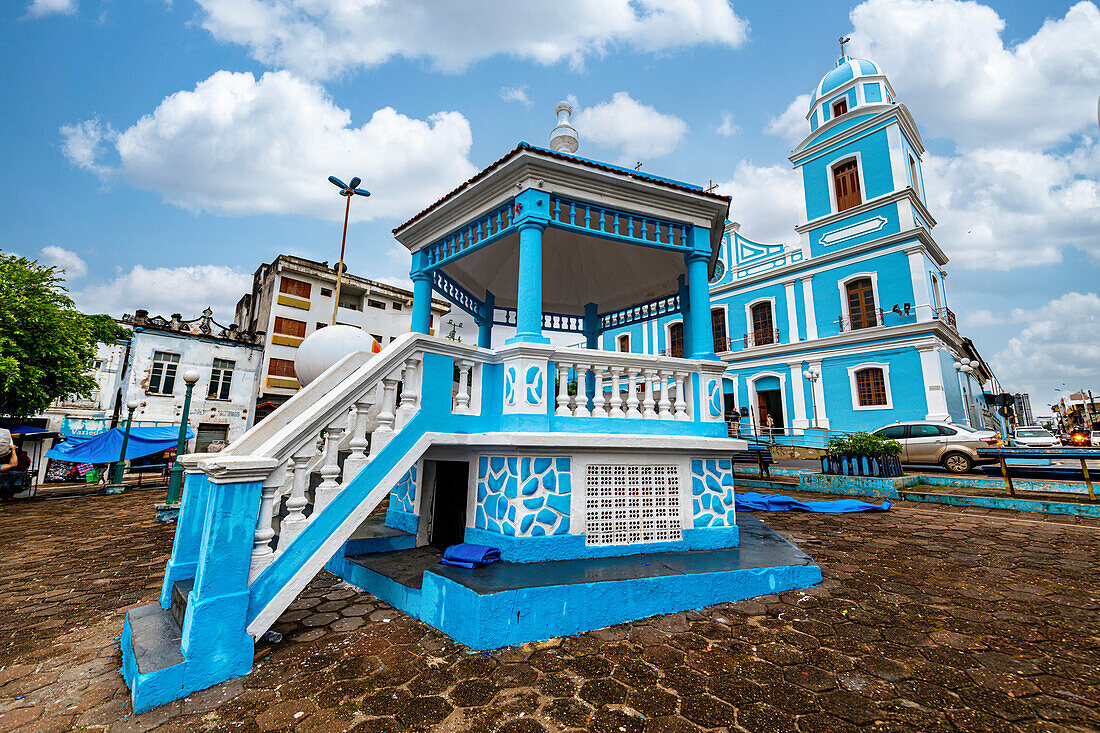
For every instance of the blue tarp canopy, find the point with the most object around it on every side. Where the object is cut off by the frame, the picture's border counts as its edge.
(750, 501)
(105, 447)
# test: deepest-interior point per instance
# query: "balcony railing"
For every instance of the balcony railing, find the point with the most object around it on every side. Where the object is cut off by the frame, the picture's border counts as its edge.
(760, 338)
(946, 315)
(860, 320)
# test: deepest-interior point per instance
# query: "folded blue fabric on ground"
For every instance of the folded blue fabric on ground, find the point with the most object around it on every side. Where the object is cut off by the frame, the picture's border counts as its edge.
(750, 501)
(470, 556)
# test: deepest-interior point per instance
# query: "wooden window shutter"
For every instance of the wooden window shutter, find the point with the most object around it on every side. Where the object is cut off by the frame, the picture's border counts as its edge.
(846, 185)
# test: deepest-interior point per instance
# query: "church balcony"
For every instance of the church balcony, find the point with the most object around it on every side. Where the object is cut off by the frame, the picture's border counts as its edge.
(866, 319)
(762, 337)
(946, 315)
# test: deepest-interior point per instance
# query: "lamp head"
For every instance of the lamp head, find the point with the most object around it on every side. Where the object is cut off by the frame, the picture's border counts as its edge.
(958, 365)
(807, 374)
(132, 404)
(968, 369)
(191, 376)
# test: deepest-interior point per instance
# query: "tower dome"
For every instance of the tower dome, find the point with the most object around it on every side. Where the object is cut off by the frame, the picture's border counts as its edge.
(847, 68)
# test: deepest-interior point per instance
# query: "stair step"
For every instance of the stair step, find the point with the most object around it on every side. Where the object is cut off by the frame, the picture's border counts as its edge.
(180, 591)
(155, 637)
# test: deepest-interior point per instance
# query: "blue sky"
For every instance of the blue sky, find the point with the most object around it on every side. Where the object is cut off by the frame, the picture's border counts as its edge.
(162, 150)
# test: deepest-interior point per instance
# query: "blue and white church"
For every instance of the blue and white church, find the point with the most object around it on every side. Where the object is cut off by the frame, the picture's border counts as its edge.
(849, 327)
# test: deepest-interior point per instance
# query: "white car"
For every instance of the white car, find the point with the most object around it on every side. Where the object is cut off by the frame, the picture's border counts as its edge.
(1033, 436)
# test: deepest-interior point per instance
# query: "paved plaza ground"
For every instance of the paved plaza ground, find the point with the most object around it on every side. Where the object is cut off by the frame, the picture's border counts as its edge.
(931, 618)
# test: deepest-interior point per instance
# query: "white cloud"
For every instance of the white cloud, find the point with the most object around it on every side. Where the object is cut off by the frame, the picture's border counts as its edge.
(39, 8)
(949, 64)
(980, 318)
(636, 130)
(515, 94)
(791, 125)
(321, 38)
(83, 144)
(166, 290)
(71, 262)
(1056, 345)
(237, 145)
(767, 200)
(1003, 209)
(727, 128)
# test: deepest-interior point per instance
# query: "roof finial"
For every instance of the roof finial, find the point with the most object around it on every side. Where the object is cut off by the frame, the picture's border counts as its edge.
(564, 138)
(843, 40)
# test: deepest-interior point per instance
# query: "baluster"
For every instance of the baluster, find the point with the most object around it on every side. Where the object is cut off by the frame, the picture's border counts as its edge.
(647, 403)
(295, 520)
(330, 469)
(563, 390)
(632, 394)
(262, 554)
(663, 411)
(384, 431)
(462, 399)
(557, 209)
(616, 222)
(357, 461)
(616, 396)
(629, 226)
(573, 214)
(598, 400)
(602, 227)
(410, 391)
(681, 401)
(645, 229)
(580, 400)
(587, 217)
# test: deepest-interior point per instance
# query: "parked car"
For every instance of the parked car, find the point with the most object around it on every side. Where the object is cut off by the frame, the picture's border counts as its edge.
(1033, 436)
(1078, 437)
(953, 446)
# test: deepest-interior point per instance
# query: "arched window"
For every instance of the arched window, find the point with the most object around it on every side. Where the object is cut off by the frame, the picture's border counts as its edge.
(846, 185)
(861, 303)
(676, 340)
(718, 326)
(871, 387)
(624, 342)
(763, 324)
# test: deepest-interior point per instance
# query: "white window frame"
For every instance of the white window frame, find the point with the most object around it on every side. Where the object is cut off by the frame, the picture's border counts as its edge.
(832, 184)
(668, 337)
(619, 343)
(223, 373)
(770, 299)
(885, 367)
(164, 372)
(842, 287)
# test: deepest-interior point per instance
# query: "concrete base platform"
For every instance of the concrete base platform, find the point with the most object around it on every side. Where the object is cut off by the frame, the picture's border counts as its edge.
(506, 604)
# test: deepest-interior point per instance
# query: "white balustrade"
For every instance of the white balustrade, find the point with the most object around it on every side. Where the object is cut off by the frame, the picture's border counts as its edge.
(664, 405)
(681, 402)
(295, 520)
(563, 391)
(386, 417)
(580, 399)
(330, 469)
(410, 391)
(647, 403)
(462, 399)
(598, 400)
(616, 395)
(632, 412)
(262, 554)
(357, 460)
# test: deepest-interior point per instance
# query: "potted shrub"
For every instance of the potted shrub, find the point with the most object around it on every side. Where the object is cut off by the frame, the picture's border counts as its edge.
(862, 454)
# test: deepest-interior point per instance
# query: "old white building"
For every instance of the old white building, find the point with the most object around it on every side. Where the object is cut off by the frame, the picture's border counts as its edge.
(292, 297)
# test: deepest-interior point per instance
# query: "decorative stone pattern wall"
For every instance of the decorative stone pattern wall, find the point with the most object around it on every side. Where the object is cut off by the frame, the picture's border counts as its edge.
(403, 496)
(712, 492)
(523, 496)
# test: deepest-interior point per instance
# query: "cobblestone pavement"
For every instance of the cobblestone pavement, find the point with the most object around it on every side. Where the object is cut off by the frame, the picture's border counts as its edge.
(931, 618)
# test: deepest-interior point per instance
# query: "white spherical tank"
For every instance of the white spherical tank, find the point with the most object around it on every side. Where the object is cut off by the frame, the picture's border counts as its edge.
(326, 346)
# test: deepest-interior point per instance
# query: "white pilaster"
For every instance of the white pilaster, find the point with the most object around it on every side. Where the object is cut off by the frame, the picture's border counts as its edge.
(821, 417)
(922, 297)
(933, 383)
(811, 315)
(800, 422)
(792, 312)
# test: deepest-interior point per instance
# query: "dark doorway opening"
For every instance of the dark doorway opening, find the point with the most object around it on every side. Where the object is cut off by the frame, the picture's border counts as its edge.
(770, 404)
(449, 506)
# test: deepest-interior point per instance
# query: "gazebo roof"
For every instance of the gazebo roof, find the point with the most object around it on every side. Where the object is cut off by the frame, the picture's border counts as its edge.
(587, 255)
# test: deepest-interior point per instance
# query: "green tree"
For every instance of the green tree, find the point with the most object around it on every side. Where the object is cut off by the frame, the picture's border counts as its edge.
(45, 342)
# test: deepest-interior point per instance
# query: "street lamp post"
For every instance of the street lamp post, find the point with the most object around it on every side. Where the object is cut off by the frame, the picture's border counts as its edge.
(347, 190)
(813, 375)
(120, 466)
(175, 477)
(963, 366)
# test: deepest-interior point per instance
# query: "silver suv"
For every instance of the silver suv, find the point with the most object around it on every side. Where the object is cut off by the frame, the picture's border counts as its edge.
(953, 446)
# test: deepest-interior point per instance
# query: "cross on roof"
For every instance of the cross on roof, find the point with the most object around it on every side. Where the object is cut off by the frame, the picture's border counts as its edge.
(843, 40)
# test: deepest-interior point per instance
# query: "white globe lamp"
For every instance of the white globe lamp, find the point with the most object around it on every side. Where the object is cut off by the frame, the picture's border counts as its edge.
(325, 347)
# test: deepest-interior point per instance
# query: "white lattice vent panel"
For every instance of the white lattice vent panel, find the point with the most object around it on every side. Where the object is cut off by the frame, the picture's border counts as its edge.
(629, 504)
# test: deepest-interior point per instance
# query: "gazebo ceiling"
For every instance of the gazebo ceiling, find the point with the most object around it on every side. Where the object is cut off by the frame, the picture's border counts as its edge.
(576, 269)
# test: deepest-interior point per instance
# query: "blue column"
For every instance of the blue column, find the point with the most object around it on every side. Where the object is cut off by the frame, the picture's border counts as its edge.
(591, 326)
(685, 314)
(422, 294)
(532, 216)
(698, 260)
(485, 322)
(189, 524)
